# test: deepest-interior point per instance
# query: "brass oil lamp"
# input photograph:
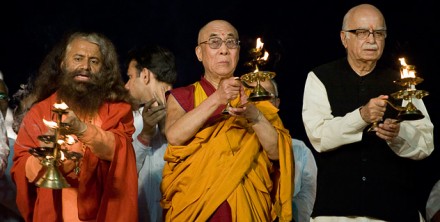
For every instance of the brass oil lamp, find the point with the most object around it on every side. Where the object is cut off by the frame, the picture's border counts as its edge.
(258, 59)
(259, 93)
(53, 155)
(408, 81)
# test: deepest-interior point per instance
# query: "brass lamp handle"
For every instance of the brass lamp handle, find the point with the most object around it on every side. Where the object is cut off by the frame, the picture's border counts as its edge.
(398, 108)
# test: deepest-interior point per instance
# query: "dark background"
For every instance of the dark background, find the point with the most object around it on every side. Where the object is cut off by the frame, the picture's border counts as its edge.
(299, 35)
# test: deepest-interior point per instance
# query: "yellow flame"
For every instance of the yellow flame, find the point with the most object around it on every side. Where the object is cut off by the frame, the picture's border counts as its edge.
(406, 71)
(266, 55)
(259, 44)
(50, 124)
(70, 140)
(256, 69)
(61, 105)
(402, 61)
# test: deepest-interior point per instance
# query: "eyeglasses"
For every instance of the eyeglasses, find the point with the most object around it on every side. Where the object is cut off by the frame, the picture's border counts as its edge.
(3, 96)
(216, 43)
(363, 34)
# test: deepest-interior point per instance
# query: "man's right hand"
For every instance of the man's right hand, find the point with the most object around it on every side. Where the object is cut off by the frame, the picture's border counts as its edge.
(151, 116)
(375, 109)
(228, 89)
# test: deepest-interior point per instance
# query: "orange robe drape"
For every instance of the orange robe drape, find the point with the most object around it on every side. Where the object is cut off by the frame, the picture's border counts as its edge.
(225, 161)
(107, 190)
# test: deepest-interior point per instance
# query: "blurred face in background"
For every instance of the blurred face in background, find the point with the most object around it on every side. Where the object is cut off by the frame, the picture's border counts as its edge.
(4, 98)
(137, 83)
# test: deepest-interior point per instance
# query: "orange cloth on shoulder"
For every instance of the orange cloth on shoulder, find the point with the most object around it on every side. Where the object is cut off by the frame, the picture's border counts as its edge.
(107, 190)
(225, 161)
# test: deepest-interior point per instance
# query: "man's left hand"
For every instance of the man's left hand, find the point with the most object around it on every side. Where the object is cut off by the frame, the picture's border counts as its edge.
(152, 115)
(388, 130)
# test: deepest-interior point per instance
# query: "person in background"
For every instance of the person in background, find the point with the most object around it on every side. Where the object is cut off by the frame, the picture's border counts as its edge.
(433, 204)
(151, 72)
(4, 143)
(8, 207)
(22, 100)
(219, 166)
(83, 72)
(363, 175)
(305, 168)
(8, 114)
(5, 153)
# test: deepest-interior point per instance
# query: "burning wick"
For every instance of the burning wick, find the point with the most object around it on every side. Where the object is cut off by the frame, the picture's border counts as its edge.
(50, 124)
(259, 44)
(61, 106)
(407, 71)
(70, 140)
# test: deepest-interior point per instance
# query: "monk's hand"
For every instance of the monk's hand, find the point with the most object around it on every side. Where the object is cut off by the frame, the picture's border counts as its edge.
(228, 89)
(247, 110)
(388, 130)
(253, 114)
(74, 124)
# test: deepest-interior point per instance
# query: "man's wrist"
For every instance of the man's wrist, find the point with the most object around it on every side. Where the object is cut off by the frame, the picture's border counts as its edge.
(256, 119)
(144, 140)
(360, 112)
(83, 129)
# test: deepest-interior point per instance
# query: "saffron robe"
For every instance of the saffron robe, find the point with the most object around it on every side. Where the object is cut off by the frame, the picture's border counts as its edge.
(225, 161)
(107, 190)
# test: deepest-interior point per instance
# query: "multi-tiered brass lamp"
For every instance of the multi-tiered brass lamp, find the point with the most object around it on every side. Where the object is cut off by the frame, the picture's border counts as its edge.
(259, 93)
(409, 92)
(53, 155)
(258, 60)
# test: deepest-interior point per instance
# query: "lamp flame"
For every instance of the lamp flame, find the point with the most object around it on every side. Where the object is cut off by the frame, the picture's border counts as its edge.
(407, 71)
(256, 69)
(61, 106)
(259, 44)
(70, 140)
(50, 124)
(266, 55)
(402, 61)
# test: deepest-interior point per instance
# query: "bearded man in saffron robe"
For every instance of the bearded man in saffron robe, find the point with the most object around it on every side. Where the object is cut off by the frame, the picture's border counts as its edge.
(83, 72)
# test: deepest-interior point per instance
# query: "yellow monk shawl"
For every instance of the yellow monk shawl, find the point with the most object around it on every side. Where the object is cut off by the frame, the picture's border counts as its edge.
(225, 161)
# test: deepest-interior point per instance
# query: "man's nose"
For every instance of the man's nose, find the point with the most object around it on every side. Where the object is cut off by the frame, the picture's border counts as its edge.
(85, 64)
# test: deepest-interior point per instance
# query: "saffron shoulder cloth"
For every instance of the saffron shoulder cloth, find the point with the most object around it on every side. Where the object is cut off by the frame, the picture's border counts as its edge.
(107, 190)
(225, 161)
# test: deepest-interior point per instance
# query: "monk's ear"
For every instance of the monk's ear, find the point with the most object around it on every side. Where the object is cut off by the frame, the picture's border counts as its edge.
(199, 52)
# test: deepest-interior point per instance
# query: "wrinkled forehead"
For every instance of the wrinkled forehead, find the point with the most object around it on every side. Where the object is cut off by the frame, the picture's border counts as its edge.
(369, 22)
(218, 29)
(81, 44)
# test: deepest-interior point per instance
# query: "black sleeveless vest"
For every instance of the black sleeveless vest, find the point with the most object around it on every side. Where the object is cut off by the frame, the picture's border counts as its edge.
(365, 178)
